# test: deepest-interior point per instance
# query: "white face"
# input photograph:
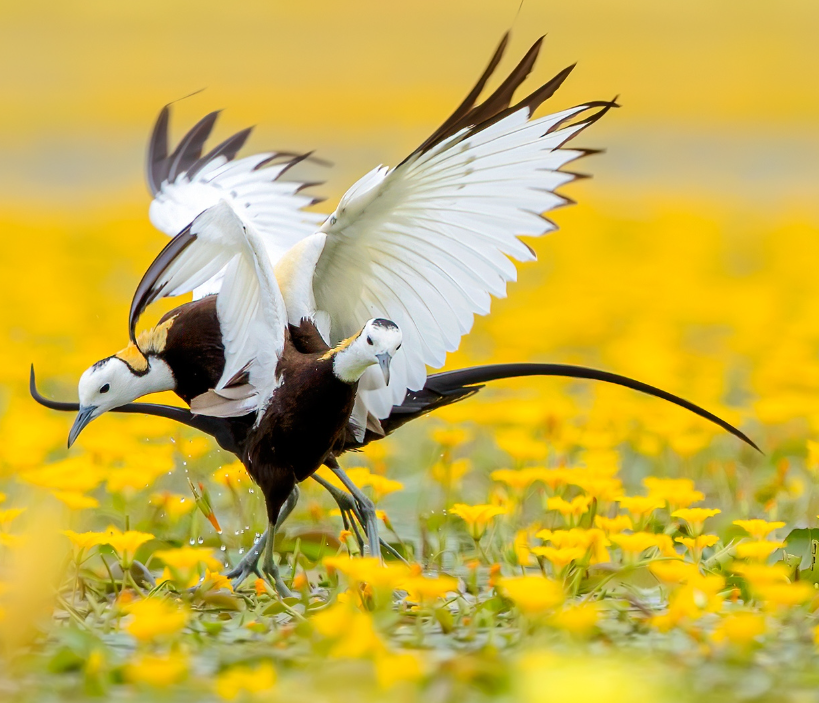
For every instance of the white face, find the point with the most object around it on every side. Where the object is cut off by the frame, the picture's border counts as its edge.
(377, 343)
(110, 383)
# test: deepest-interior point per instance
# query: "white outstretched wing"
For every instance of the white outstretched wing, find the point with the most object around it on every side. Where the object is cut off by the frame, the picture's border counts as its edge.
(185, 183)
(427, 243)
(249, 305)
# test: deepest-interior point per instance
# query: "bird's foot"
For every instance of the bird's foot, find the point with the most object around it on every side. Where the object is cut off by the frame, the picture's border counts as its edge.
(249, 564)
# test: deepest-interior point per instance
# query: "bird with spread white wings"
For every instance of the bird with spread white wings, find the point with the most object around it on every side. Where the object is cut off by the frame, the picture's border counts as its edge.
(425, 244)
(409, 257)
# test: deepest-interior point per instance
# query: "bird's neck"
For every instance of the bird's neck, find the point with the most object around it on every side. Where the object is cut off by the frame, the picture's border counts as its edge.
(349, 364)
(159, 376)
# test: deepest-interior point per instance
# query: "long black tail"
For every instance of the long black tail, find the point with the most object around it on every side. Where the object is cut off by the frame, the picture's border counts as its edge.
(441, 389)
(449, 387)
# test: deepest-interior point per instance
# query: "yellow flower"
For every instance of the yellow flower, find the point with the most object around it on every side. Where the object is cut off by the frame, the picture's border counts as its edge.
(560, 557)
(450, 436)
(640, 506)
(126, 543)
(604, 488)
(157, 670)
(370, 570)
(84, 540)
(523, 551)
(214, 580)
(242, 680)
(532, 594)
(352, 631)
(593, 539)
(759, 529)
(638, 542)
(761, 573)
(575, 508)
(518, 479)
(450, 473)
(75, 500)
(697, 544)
(233, 476)
(477, 517)
(786, 595)
(674, 571)
(757, 550)
(8, 515)
(699, 595)
(174, 504)
(391, 669)
(741, 629)
(520, 445)
(153, 618)
(695, 517)
(551, 477)
(613, 525)
(578, 619)
(421, 589)
(187, 558)
(676, 492)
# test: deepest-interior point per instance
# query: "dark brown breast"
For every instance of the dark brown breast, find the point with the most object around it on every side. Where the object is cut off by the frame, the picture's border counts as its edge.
(304, 422)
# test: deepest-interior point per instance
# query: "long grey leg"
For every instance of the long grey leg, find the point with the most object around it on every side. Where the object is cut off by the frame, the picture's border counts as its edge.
(365, 505)
(351, 515)
(249, 564)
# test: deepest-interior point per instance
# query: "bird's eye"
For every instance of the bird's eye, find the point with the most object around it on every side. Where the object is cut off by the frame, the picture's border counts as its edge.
(333, 220)
(105, 388)
(370, 341)
(398, 347)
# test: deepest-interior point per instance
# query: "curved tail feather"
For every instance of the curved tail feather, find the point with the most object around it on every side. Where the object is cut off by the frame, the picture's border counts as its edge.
(449, 387)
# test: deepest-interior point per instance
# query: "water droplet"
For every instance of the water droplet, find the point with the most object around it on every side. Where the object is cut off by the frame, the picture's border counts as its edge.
(223, 548)
(182, 500)
(236, 532)
(241, 550)
(173, 441)
(218, 532)
(184, 463)
(200, 540)
(191, 541)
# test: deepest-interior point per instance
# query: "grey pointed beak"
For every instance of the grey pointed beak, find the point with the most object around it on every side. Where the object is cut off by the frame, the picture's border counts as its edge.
(384, 362)
(85, 416)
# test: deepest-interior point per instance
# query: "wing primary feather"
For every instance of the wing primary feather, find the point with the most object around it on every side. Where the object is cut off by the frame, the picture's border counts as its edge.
(502, 97)
(469, 101)
(147, 291)
(156, 168)
(189, 149)
(228, 148)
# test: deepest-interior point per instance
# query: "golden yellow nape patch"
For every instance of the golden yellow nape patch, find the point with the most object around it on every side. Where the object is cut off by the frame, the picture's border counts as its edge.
(151, 341)
(133, 357)
(341, 346)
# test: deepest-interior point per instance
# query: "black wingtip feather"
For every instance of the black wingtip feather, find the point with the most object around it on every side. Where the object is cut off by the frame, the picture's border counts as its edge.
(147, 291)
(189, 150)
(158, 151)
(228, 148)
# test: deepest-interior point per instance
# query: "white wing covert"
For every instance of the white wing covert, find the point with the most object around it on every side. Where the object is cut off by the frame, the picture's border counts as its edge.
(427, 243)
(249, 306)
(185, 183)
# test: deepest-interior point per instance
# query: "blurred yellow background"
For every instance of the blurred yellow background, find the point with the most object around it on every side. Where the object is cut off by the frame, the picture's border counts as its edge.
(689, 260)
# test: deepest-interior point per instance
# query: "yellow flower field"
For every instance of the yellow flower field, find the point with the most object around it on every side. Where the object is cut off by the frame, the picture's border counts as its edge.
(565, 541)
